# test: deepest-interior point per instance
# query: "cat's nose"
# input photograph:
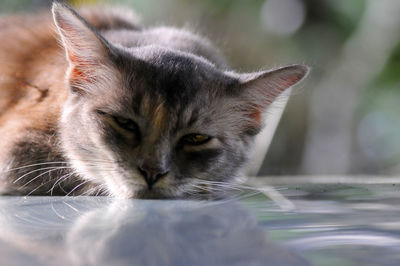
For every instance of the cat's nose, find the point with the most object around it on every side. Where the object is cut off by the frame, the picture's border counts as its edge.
(151, 174)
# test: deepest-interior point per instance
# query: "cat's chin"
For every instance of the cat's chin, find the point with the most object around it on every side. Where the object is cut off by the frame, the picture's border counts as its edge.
(152, 194)
(135, 191)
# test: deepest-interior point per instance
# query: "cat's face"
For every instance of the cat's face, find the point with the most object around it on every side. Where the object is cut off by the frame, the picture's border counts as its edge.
(153, 122)
(169, 118)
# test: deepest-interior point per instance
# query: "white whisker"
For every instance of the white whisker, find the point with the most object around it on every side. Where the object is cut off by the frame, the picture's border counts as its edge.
(76, 187)
(60, 180)
(42, 174)
(32, 165)
(36, 170)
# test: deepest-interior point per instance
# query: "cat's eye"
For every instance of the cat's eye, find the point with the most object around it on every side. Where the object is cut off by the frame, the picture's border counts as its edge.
(126, 124)
(195, 139)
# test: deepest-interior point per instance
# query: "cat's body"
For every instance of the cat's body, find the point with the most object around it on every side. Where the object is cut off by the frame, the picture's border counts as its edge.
(138, 113)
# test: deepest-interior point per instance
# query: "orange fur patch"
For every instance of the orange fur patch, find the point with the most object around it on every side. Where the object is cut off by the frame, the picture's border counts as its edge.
(159, 116)
(256, 116)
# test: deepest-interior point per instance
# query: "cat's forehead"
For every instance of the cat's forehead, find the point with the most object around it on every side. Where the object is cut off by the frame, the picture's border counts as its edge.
(173, 77)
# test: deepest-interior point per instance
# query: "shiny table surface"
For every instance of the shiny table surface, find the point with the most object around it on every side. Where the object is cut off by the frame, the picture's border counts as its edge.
(292, 224)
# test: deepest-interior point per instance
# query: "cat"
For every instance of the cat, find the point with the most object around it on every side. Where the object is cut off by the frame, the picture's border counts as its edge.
(103, 106)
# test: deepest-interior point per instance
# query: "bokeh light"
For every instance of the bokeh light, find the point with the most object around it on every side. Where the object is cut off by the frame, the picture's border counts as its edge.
(282, 17)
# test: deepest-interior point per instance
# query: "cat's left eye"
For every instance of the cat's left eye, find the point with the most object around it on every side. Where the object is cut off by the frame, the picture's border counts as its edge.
(195, 139)
(126, 124)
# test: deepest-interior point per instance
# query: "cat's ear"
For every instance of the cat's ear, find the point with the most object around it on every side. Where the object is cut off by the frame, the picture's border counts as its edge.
(260, 89)
(86, 49)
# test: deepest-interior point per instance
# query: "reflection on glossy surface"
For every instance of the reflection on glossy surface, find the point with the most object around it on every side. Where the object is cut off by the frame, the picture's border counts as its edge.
(329, 225)
(100, 231)
(338, 224)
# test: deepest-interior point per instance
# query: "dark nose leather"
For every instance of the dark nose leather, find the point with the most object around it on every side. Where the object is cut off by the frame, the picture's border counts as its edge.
(151, 174)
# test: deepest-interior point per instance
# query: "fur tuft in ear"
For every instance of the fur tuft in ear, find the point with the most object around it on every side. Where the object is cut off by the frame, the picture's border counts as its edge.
(86, 49)
(262, 88)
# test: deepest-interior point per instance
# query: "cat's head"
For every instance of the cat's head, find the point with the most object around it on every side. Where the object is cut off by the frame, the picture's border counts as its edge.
(150, 121)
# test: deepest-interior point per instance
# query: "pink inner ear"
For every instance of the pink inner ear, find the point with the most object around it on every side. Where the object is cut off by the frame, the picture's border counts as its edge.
(285, 84)
(280, 86)
(290, 81)
(76, 75)
(82, 69)
(78, 67)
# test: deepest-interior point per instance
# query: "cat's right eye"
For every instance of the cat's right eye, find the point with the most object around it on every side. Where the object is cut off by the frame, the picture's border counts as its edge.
(100, 112)
(126, 124)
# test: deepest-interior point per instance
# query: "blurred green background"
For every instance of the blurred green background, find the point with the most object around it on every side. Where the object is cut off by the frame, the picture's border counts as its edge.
(344, 119)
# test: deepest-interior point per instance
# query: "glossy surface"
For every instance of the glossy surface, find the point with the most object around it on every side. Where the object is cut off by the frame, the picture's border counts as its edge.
(304, 225)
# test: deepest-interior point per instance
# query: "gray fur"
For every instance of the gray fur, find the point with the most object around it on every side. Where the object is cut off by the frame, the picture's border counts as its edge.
(171, 83)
